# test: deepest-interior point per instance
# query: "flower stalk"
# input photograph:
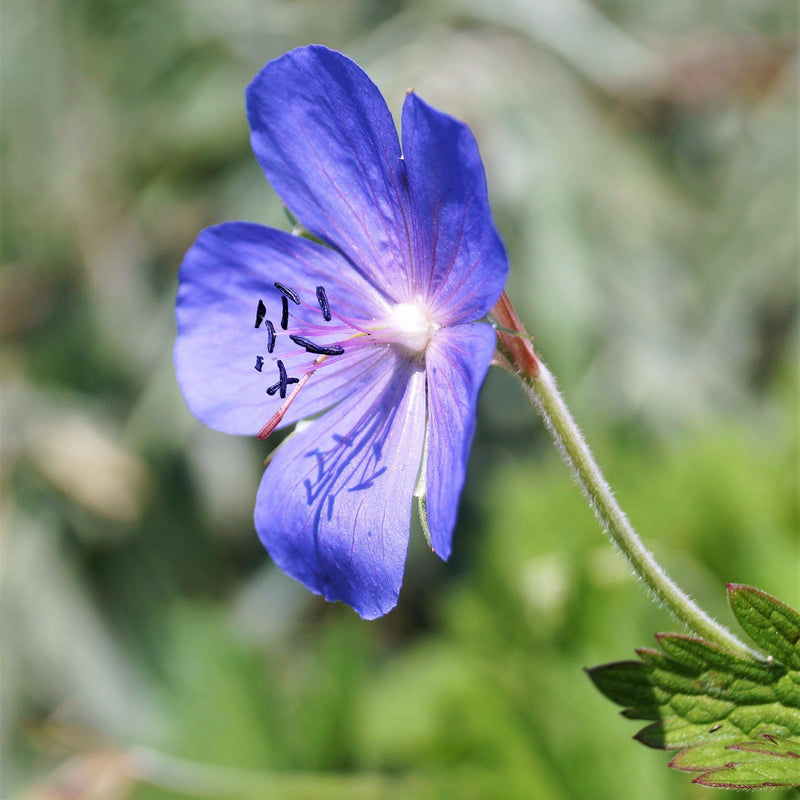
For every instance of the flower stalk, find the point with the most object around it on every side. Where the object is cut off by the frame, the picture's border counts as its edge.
(540, 386)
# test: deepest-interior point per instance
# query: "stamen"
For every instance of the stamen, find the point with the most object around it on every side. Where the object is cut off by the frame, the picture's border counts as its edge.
(287, 292)
(270, 337)
(284, 378)
(261, 312)
(283, 381)
(317, 349)
(277, 386)
(284, 312)
(276, 418)
(259, 363)
(322, 299)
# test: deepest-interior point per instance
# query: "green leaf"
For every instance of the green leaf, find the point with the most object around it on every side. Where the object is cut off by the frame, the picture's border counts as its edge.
(694, 692)
(736, 720)
(771, 624)
(768, 761)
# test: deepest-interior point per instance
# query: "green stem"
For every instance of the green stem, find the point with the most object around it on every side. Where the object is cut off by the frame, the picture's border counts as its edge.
(547, 399)
(516, 353)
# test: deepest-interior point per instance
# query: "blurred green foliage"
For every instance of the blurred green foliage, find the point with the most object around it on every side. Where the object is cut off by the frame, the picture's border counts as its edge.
(642, 160)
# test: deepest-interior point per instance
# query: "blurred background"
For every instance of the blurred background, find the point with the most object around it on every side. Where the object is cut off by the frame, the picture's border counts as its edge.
(642, 161)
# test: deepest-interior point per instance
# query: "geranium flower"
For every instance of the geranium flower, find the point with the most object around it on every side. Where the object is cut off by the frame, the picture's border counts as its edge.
(374, 332)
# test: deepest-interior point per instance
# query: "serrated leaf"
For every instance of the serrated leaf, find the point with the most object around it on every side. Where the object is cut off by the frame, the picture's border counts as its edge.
(626, 683)
(768, 761)
(771, 624)
(695, 693)
(732, 718)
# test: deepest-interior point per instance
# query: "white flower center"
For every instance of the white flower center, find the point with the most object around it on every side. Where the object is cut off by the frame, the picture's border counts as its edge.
(410, 327)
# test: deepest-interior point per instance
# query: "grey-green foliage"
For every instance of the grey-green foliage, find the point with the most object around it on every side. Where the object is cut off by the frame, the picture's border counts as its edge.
(651, 228)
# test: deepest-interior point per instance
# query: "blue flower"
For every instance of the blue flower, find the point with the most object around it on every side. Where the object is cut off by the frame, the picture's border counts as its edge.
(374, 332)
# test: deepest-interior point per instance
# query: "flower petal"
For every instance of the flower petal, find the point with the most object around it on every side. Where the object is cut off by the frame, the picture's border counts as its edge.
(222, 277)
(326, 141)
(459, 256)
(456, 363)
(334, 505)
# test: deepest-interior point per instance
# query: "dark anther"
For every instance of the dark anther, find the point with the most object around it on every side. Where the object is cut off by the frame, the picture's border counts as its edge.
(322, 299)
(270, 336)
(287, 292)
(317, 349)
(283, 381)
(261, 312)
(259, 363)
(284, 313)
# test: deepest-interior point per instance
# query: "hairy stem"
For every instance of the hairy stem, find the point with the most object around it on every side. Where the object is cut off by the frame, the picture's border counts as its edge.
(541, 388)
